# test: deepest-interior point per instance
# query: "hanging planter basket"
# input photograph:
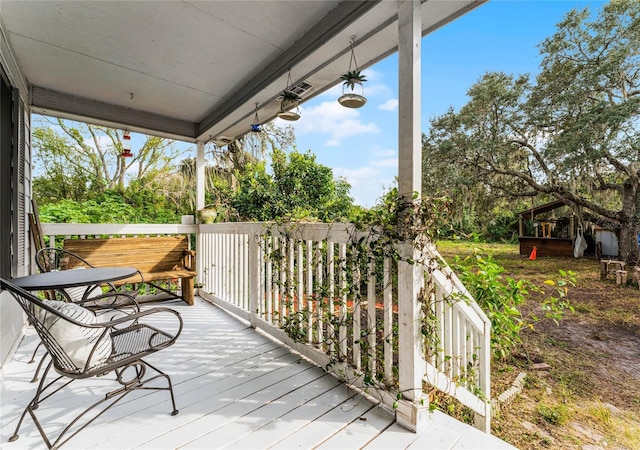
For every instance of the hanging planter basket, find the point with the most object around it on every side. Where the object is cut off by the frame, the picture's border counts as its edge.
(352, 88)
(289, 109)
(221, 141)
(351, 98)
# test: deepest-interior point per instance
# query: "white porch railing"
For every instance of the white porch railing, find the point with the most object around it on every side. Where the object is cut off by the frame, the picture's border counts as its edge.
(312, 286)
(322, 290)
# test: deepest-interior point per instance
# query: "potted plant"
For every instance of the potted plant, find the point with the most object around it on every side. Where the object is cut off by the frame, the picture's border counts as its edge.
(207, 214)
(288, 103)
(352, 78)
(350, 98)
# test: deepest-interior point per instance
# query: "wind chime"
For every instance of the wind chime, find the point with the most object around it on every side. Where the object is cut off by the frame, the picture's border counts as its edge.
(254, 137)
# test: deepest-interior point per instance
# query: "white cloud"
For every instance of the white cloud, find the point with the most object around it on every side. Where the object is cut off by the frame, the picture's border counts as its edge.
(367, 184)
(356, 176)
(389, 162)
(332, 143)
(385, 153)
(334, 121)
(389, 105)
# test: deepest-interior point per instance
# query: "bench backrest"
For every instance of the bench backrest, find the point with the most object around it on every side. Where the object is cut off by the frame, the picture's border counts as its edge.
(147, 254)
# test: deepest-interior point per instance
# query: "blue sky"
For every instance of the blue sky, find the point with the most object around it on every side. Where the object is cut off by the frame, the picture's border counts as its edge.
(361, 144)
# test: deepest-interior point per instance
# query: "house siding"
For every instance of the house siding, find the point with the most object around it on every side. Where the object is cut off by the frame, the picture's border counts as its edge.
(15, 194)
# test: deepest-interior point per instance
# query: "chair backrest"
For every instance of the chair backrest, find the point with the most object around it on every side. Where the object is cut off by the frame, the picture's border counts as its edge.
(72, 345)
(49, 259)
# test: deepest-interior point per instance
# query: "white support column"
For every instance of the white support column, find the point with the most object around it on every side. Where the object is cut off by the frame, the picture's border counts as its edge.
(409, 95)
(413, 410)
(200, 181)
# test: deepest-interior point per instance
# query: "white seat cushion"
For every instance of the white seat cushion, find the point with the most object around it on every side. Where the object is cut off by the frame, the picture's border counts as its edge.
(76, 293)
(76, 341)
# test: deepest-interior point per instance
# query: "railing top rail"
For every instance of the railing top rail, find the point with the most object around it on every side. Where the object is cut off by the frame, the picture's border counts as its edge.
(314, 231)
(116, 228)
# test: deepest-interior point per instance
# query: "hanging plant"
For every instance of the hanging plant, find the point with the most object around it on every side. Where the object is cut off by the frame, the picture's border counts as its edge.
(350, 98)
(289, 103)
(255, 125)
(290, 95)
(353, 77)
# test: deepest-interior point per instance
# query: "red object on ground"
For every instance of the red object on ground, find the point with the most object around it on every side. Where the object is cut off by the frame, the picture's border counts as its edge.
(534, 254)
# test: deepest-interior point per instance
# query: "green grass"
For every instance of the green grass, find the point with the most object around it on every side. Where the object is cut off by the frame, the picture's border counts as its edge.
(583, 378)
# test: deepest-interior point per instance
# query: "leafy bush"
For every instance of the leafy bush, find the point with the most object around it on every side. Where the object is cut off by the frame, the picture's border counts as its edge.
(299, 189)
(502, 298)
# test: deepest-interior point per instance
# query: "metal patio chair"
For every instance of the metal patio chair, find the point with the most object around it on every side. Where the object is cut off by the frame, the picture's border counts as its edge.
(50, 259)
(82, 346)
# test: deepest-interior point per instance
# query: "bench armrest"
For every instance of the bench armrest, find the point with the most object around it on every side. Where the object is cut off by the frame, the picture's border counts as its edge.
(188, 259)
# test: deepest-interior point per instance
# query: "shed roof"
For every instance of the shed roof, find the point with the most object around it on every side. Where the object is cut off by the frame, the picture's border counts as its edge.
(540, 209)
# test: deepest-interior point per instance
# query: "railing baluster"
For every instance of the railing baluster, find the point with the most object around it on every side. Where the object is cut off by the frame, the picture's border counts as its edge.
(309, 292)
(388, 337)
(331, 269)
(342, 267)
(372, 316)
(268, 243)
(300, 286)
(356, 314)
(318, 290)
(447, 336)
(277, 305)
(439, 332)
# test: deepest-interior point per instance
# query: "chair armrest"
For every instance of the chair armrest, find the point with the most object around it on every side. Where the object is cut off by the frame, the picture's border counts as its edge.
(126, 318)
(138, 315)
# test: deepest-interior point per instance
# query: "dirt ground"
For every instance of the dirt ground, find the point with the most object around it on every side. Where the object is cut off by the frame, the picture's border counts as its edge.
(582, 386)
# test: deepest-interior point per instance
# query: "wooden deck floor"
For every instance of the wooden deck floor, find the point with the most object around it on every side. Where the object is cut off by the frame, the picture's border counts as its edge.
(235, 388)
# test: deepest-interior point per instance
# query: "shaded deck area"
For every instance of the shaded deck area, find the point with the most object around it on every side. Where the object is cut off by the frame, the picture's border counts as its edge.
(235, 388)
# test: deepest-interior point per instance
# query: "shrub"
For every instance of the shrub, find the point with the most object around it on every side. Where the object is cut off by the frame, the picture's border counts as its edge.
(501, 297)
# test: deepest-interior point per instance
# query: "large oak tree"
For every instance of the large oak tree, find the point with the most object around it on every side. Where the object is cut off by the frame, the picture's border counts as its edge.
(572, 134)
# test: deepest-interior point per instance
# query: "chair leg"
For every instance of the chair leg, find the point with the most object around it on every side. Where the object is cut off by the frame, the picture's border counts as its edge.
(37, 372)
(169, 388)
(33, 404)
(112, 398)
(33, 355)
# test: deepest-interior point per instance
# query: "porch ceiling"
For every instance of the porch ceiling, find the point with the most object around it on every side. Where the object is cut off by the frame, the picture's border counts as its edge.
(192, 70)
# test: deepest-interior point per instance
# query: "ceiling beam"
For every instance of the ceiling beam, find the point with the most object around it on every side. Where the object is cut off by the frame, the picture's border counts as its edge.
(69, 106)
(332, 24)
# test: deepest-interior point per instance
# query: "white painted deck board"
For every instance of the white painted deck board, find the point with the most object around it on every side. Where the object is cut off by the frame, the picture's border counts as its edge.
(235, 388)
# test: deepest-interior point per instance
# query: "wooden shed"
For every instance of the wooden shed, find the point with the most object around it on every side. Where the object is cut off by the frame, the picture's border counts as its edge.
(553, 234)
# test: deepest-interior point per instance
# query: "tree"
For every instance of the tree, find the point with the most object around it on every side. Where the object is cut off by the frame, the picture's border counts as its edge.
(299, 188)
(80, 176)
(573, 134)
(477, 209)
(91, 154)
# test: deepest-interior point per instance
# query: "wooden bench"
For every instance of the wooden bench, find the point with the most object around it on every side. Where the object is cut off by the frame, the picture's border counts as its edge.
(612, 266)
(157, 258)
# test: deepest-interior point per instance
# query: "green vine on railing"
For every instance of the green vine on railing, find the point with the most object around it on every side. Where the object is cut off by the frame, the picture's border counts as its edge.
(371, 240)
